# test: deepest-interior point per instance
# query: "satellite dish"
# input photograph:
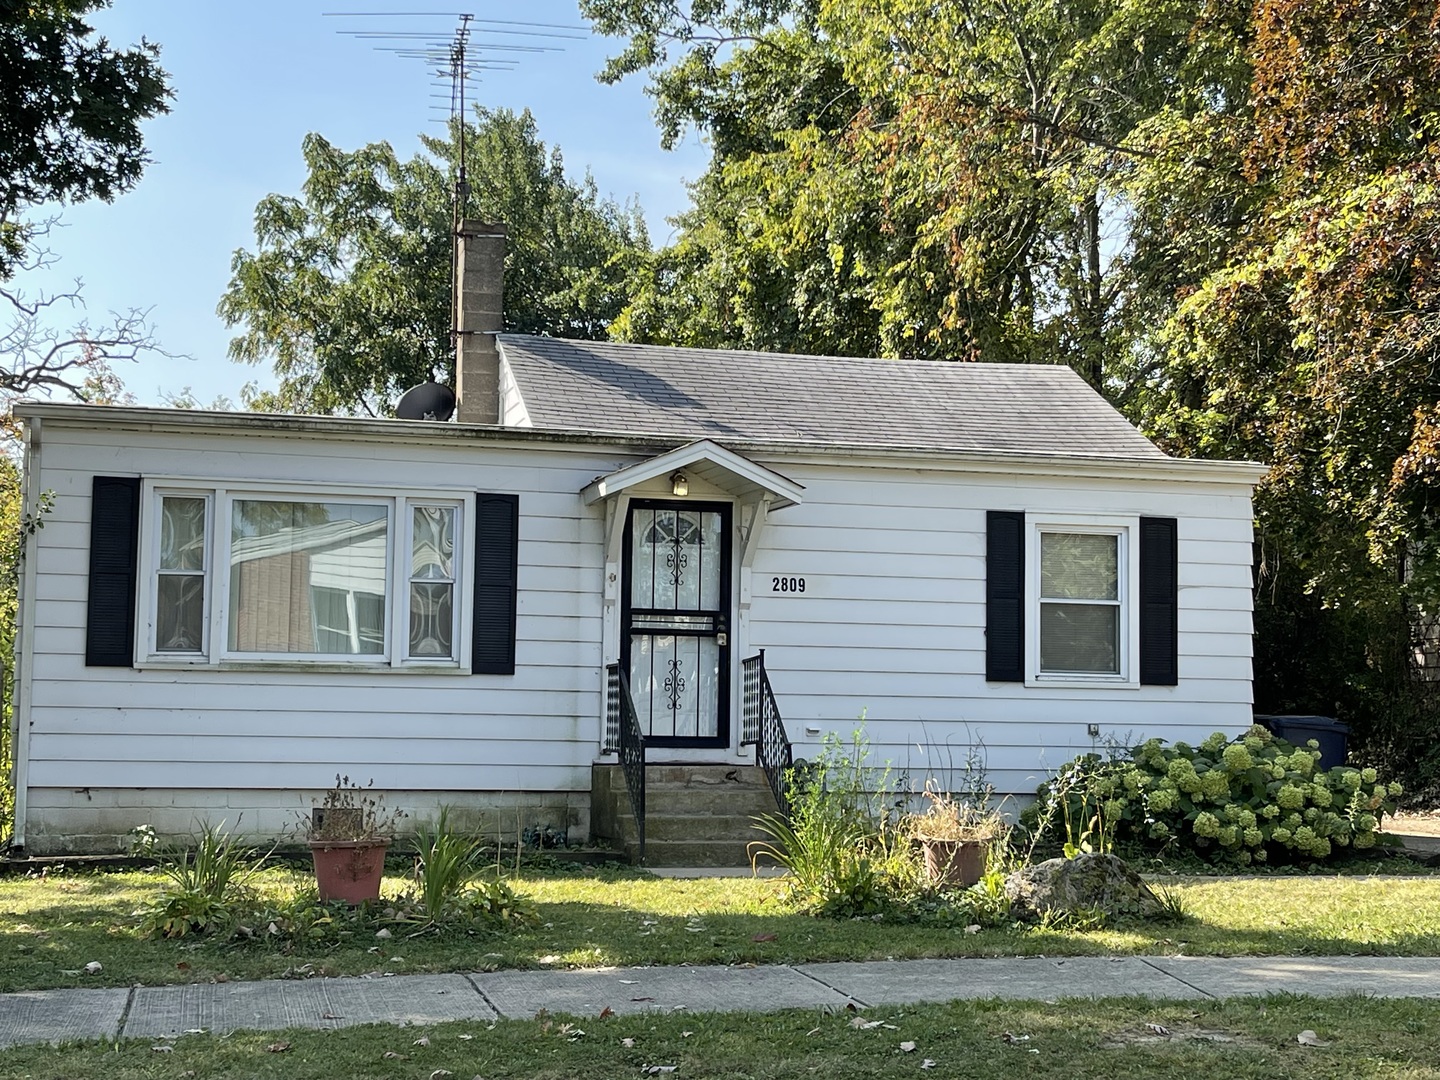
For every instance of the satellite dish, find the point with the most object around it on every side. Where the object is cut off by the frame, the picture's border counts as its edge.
(428, 401)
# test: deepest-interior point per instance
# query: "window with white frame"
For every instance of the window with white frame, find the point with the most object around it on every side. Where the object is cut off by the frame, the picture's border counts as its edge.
(1082, 582)
(256, 576)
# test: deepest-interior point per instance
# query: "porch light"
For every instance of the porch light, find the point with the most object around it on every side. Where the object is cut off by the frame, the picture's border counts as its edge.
(679, 486)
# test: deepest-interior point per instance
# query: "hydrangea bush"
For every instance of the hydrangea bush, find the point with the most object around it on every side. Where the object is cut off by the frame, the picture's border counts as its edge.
(1254, 799)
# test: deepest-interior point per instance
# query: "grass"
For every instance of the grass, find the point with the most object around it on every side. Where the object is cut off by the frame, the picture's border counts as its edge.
(1240, 1039)
(50, 928)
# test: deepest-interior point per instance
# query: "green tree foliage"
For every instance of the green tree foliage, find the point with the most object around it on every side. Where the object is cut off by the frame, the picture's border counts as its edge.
(347, 293)
(898, 178)
(73, 106)
(9, 577)
(1312, 345)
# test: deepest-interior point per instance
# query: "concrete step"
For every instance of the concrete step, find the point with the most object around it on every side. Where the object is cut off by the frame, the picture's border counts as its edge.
(719, 803)
(693, 827)
(695, 815)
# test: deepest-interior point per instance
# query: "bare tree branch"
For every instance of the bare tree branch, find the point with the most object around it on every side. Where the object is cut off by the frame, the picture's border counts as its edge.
(39, 354)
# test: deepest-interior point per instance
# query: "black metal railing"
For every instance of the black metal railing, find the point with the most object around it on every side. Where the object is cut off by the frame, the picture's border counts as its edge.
(762, 727)
(622, 733)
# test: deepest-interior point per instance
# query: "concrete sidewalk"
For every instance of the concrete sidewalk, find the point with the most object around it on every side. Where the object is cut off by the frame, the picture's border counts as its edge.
(160, 1012)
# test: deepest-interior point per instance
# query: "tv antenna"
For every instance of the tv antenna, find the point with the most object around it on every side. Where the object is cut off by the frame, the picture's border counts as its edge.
(475, 46)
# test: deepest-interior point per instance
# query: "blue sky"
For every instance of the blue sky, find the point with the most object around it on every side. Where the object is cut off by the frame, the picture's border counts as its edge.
(251, 79)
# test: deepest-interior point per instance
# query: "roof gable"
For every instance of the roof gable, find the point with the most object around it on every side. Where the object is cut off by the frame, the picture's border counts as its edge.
(724, 468)
(835, 401)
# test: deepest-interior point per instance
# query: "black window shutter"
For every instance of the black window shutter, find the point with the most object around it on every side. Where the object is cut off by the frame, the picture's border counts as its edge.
(114, 550)
(1159, 602)
(1005, 596)
(497, 555)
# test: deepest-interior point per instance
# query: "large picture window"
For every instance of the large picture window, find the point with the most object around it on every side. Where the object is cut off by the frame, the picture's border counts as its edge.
(257, 576)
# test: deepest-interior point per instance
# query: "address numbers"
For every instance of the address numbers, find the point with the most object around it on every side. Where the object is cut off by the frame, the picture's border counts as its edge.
(787, 584)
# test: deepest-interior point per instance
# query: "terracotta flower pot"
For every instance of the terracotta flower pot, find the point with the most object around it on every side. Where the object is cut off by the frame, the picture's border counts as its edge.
(349, 870)
(954, 863)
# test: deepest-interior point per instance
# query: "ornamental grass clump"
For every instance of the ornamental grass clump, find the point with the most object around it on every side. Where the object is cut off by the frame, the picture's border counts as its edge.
(949, 818)
(840, 843)
(1254, 799)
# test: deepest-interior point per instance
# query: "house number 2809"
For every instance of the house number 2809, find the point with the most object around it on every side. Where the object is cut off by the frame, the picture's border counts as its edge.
(787, 584)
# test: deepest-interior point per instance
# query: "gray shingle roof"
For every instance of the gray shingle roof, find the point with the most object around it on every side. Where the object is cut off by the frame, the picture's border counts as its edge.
(776, 397)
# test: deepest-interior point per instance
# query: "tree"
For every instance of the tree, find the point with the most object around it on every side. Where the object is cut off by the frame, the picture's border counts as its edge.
(71, 131)
(73, 109)
(1313, 344)
(348, 291)
(907, 179)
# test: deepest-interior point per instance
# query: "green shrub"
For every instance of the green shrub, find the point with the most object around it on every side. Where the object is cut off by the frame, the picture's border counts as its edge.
(445, 863)
(840, 844)
(1252, 799)
(206, 886)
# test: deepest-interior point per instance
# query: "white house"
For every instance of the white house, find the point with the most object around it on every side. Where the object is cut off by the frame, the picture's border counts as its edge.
(224, 611)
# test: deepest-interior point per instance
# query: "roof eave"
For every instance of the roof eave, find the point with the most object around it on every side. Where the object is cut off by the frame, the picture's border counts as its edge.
(149, 418)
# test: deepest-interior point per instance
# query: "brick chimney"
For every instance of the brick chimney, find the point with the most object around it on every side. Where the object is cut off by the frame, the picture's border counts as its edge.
(479, 287)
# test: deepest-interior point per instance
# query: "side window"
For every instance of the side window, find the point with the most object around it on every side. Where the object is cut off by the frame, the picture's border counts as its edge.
(432, 579)
(182, 567)
(1080, 615)
(1081, 599)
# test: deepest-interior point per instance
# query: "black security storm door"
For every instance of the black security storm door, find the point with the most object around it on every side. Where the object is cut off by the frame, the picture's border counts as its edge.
(674, 640)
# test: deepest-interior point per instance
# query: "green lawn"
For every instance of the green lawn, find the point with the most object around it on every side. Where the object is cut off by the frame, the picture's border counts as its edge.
(51, 928)
(1242, 1039)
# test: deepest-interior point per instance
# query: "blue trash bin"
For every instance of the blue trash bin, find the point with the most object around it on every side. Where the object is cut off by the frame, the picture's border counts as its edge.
(1332, 735)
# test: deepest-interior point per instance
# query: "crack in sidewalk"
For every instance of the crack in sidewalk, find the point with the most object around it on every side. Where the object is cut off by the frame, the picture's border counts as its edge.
(1177, 978)
(849, 998)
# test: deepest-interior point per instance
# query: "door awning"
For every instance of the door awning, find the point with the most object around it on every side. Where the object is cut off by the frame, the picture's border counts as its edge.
(708, 461)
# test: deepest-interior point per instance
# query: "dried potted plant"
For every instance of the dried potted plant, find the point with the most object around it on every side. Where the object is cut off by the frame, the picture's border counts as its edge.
(349, 832)
(955, 837)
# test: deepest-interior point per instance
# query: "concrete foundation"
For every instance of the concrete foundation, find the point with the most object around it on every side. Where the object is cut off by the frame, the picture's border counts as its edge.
(101, 821)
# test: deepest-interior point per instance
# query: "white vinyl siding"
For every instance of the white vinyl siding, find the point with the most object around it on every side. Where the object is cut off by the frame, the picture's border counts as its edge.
(891, 625)
(235, 728)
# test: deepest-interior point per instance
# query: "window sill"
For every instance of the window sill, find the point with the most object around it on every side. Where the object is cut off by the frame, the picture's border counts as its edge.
(1083, 682)
(325, 667)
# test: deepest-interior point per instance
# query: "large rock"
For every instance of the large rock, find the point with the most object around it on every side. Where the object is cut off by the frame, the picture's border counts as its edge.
(1084, 883)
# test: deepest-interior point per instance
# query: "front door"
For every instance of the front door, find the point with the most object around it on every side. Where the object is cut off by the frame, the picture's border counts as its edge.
(674, 634)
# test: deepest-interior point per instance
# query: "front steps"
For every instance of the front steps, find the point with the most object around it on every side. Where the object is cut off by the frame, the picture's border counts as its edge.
(695, 815)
